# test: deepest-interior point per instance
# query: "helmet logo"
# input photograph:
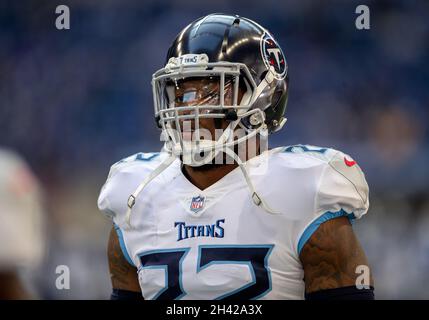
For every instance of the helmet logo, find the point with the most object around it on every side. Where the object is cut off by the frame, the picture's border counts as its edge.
(273, 56)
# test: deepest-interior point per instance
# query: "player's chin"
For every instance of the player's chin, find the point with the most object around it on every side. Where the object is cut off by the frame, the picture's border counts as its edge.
(208, 166)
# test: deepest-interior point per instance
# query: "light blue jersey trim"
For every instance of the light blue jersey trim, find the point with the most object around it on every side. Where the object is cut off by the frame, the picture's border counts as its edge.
(316, 223)
(122, 244)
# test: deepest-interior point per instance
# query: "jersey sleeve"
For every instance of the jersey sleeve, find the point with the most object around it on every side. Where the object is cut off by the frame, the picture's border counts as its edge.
(342, 190)
(342, 187)
(122, 180)
(108, 189)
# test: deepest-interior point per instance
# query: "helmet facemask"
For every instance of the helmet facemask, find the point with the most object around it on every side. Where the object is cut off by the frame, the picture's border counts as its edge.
(180, 109)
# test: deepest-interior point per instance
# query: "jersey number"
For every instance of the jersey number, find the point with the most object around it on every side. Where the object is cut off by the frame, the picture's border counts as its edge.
(256, 257)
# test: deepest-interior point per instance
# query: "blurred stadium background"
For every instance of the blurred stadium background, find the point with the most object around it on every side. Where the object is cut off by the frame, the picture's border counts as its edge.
(73, 102)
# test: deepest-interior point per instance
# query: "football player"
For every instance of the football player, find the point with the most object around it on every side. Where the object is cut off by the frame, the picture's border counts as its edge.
(204, 219)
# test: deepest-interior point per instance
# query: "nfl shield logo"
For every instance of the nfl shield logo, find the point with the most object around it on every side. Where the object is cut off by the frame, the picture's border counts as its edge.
(197, 204)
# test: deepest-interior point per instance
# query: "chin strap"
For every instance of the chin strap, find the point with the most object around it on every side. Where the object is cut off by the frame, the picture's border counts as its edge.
(257, 199)
(132, 198)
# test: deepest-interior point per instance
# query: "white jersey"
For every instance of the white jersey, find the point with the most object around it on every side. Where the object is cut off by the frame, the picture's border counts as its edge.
(215, 243)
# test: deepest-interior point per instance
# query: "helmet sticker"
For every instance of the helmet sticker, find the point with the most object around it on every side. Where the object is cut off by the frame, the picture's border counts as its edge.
(273, 56)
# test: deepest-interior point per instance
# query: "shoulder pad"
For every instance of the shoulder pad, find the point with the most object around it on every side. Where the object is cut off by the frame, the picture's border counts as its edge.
(342, 184)
(124, 176)
(343, 187)
(340, 189)
(142, 158)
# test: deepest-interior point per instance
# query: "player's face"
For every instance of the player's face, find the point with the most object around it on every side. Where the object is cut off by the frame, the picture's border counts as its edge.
(202, 92)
